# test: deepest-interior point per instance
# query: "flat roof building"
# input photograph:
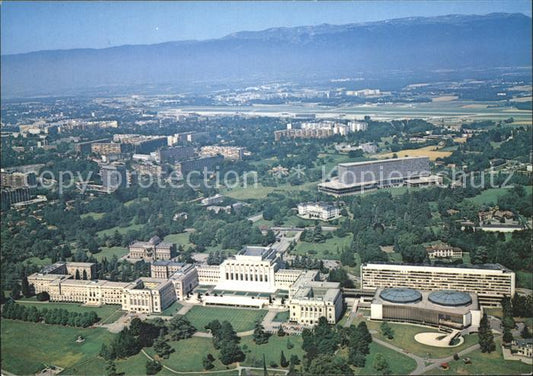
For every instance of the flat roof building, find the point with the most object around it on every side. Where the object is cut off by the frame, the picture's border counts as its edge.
(449, 308)
(356, 177)
(491, 282)
(318, 210)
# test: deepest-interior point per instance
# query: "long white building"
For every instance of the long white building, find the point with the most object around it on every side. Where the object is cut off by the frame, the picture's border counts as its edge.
(491, 282)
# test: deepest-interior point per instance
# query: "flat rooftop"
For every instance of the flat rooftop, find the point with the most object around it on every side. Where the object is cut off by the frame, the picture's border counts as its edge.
(425, 303)
(395, 266)
(352, 164)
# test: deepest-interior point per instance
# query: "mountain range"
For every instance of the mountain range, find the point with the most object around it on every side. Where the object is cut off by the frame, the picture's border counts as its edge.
(452, 42)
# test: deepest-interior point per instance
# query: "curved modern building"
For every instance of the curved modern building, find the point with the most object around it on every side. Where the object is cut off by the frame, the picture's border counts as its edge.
(443, 308)
(450, 298)
(401, 295)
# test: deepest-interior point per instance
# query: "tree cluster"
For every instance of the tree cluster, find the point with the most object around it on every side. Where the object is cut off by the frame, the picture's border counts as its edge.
(57, 316)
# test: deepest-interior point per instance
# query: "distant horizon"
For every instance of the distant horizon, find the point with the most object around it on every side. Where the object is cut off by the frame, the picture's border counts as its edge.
(262, 30)
(101, 25)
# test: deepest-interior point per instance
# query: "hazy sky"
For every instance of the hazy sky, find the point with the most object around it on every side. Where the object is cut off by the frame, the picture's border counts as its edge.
(36, 26)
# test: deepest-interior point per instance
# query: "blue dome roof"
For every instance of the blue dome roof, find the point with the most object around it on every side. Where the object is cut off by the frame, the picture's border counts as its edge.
(450, 298)
(400, 295)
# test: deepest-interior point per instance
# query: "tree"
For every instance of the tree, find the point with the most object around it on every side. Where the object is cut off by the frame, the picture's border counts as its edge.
(84, 274)
(381, 365)
(77, 274)
(525, 333)
(386, 330)
(208, 362)
(281, 332)
(110, 368)
(327, 364)
(230, 352)
(25, 286)
(507, 335)
(43, 296)
(282, 360)
(486, 338)
(153, 367)
(15, 291)
(162, 348)
(180, 328)
(260, 337)
(135, 326)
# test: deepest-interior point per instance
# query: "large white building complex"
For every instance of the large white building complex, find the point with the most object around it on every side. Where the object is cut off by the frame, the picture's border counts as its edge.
(146, 295)
(444, 308)
(490, 282)
(318, 210)
(310, 299)
(357, 177)
(248, 279)
(255, 273)
(153, 249)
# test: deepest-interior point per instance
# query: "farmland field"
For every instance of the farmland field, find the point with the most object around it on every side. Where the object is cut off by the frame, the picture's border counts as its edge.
(429, 151)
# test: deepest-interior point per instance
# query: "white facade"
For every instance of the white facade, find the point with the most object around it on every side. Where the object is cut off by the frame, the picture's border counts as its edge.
(319, 210)
(490, 282)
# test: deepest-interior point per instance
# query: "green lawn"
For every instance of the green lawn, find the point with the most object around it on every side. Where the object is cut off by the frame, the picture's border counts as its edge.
(26, 346)
(179, 239)
(489, 196)
(172, 309)
(326, 250)
(485, 364)
(93, 215)
(524, 279)
(121, 230)
(241, 319)
(398, 363)
(188, 354)
(271, 350)
(109, 252)
(404, 338)
(38, 261)
(104, 312)
(259, 192)
(281, 317)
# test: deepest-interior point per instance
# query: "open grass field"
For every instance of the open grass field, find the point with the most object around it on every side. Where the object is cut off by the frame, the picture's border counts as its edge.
(428, 151)
(241, 319)
(404, 338)
(188, 354)
(93, 215)
(27, 346)
(485, 364)
(109, 252)
(524, 279)
(490, 196)
(272, 350)
(326, 250)
(104, 312)
(281, 316)
(179, 239)
(399, 364)
(121, 230)
(38, 261)
(251, 192)
(172, 309)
